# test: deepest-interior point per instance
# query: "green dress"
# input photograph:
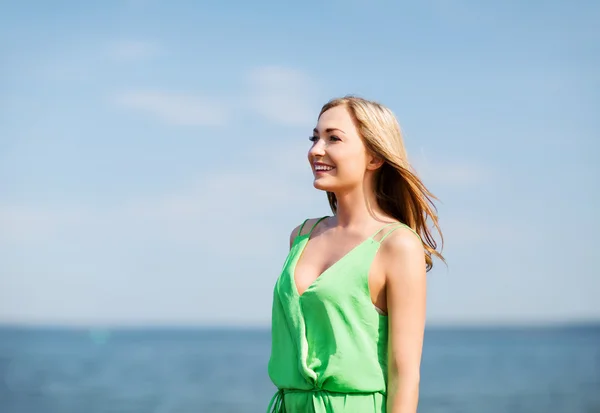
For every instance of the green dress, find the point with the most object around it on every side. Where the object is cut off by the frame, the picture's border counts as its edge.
(329, 345)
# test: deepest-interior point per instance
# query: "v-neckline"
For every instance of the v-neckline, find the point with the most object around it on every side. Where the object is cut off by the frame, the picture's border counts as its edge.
(305, 239)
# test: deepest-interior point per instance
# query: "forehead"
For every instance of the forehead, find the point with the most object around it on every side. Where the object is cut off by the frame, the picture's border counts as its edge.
(337, 117)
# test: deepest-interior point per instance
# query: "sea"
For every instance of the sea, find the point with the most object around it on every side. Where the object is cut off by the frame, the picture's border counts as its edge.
(220, 370)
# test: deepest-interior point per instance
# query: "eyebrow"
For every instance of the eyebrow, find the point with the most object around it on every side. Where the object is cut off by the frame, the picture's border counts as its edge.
(328, 130)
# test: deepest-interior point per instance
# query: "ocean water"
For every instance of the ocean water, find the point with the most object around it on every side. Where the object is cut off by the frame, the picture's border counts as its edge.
(526, 370)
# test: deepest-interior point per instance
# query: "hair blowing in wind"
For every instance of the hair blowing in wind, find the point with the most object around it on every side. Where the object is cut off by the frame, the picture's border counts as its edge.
(399, 191)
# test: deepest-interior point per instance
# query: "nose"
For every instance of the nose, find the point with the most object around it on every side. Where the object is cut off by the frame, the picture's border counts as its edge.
(318, 149)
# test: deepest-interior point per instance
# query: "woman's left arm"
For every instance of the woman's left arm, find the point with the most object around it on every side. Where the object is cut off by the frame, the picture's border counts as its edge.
(406, 286)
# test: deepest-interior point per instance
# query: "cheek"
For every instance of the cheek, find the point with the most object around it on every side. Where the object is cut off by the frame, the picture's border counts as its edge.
(351, 164)
(345, 155)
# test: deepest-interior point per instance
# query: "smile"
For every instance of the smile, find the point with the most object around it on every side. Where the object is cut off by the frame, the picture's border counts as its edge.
(322, 168)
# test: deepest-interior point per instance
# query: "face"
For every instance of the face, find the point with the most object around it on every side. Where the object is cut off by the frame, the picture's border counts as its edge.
(338, 157)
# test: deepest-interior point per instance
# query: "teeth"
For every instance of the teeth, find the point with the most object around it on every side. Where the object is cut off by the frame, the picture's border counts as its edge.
(323, 168)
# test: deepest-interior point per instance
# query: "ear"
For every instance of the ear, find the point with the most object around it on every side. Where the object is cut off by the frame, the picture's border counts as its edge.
(374, 162)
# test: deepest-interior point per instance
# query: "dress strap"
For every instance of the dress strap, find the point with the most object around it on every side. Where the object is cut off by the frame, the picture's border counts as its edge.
(399, 225)
(313, 227)
(302, 226)
(315, 224)
(382, 228)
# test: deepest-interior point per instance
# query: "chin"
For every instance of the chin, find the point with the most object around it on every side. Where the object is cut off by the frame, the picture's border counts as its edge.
(323, 186)
(320, 187)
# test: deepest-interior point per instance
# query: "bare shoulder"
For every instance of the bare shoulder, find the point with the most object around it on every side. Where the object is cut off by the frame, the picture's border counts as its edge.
(302, 228)
(404, 254)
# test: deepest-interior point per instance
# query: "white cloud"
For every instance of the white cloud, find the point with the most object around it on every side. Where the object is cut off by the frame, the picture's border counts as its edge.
(197, 240)
(238, 197)
(198, 211)
(178, 109)
(84, 65)
(283, 95)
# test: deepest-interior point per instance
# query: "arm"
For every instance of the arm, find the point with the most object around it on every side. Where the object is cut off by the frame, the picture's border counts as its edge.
(406, 299)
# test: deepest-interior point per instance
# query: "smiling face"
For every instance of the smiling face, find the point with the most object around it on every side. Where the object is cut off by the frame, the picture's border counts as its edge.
(358, 144)
(338, 156)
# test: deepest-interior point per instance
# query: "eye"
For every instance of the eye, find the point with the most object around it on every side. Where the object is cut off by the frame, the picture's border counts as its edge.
(313, 138)
(334, 138)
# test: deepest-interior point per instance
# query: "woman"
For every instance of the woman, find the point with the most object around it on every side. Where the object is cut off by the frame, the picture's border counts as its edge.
(349, 307)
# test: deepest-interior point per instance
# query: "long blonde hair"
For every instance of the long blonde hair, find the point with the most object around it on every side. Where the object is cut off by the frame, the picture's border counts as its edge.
(399, 192)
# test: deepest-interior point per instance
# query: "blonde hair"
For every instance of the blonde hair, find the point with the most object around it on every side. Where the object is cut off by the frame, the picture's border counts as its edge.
(399, 192)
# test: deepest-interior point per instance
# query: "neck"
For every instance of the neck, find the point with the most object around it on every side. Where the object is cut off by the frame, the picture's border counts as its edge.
(358, 207)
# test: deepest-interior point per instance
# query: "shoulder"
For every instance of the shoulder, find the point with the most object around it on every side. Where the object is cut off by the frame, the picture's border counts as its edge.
(403, 241)
(303, 228)
(404, 253)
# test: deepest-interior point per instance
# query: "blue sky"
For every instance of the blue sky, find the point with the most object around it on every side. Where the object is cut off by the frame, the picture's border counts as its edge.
(152, 153)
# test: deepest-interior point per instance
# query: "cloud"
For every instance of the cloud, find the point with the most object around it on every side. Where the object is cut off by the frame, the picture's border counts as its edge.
(283, 95)
(242, 196)
(131, 50)
(84, 65)
(176, 109)
(173, 252)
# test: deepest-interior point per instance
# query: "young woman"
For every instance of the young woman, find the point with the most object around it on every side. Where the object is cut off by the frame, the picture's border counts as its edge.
(349, 306)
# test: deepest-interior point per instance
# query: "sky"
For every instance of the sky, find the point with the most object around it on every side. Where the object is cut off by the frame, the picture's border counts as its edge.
(153, 153)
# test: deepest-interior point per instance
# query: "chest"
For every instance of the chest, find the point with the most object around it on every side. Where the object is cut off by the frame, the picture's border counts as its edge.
(324, 257)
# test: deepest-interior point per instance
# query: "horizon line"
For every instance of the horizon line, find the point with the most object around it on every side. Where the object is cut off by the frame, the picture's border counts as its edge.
(457, 325)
